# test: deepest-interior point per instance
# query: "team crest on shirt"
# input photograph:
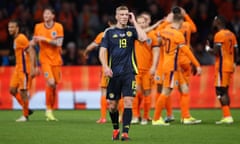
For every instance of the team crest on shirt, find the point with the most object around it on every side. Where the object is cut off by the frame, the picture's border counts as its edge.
(111, 95)
(54, 34)
(149, 41)
(115, 36)
(129, 33)
(46, 74)
(176, 83)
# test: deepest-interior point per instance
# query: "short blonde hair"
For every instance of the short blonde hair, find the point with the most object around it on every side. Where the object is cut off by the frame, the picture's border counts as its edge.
(121, 8)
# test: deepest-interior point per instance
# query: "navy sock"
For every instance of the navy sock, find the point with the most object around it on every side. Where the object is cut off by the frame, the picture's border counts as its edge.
(127, 117)
(114, 118)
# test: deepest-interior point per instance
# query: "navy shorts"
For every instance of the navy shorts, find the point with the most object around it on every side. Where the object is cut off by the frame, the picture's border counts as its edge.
(122, 85)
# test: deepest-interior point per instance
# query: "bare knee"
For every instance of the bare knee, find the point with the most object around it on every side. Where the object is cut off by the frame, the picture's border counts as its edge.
(51, 83)
(13, 91)
(112, 106)
(128, 102)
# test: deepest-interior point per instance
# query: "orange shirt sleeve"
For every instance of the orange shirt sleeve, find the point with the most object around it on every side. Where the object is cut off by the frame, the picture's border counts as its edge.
(190, 55)
(98, 38)
(192, 24)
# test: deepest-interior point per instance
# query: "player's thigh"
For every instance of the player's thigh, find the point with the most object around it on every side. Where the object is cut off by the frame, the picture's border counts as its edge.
(147, 81)
(57, 73)
(128, 85)
(14, 82)
(47, 72)
(114, 88)
(186, 70)
(223, 79)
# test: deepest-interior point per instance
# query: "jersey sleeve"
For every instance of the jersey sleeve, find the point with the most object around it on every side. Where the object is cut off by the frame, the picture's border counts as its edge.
(105, 40)
(180, 38)
(98, 38)
(60, 31)
(22, 42)
(218, 38)
(36, 29)
(154, 39)
(191, 23)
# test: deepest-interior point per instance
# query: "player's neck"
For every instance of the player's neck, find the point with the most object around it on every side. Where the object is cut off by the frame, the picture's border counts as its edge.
(48, 24)
(120, 26)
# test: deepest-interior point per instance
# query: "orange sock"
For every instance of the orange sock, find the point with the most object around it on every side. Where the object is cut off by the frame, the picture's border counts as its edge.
(50, 97)
(184, 104)
(157, 95)
(146, 106)
(19, 99)
(226, 111)
(103, 106)
(136, 105)
(161, 102)
(169, 106)
(25, 108)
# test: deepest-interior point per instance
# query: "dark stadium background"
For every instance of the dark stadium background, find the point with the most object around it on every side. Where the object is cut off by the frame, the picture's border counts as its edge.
(84, 19)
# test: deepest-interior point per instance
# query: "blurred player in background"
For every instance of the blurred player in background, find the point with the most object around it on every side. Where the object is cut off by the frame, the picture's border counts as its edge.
(173, 41)
(225, 49)
(147, 57)
(118, 47)
(104, 80)
(49, 36)
(24, 69)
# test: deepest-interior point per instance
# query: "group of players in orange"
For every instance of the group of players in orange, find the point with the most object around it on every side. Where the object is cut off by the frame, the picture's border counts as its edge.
(48, 35)
(166, 60)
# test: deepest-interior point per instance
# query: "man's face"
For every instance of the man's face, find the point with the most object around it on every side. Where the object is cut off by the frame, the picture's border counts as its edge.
(12, 28)
(147, 18)
(122, 16)
(142, 22)
(48, 15)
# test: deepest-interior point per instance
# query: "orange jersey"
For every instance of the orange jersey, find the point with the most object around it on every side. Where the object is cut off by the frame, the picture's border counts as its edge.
(21, 44)
(49, 54)
(187, 28)
(172, 40)
(143, 51)
(225, 60)
(98, 38)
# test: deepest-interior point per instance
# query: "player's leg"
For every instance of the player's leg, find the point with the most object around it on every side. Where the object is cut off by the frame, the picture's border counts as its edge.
(50, 91)
(113, 96)
(147, 85)
(137, 100)
(128, 91)
(103, 100)
(223, 96)
(186, 117)
(168, 84)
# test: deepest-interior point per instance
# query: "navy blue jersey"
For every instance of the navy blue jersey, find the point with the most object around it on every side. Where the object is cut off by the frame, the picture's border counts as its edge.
(120, 48)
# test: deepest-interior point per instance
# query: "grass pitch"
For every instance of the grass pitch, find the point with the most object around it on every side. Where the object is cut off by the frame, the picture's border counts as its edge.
(79, 127)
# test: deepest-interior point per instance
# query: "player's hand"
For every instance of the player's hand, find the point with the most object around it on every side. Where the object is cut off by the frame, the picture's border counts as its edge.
(199, 70)
(131, 17)
(85, 54)
(193, 70)
(152, 71)
(169, 17)
(207, 46)
(39, 38)
(108, 72)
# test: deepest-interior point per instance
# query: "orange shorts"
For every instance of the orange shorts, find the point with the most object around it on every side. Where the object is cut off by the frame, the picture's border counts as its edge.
(21, 80)
(223, 79)
(144, 79)
(173, 79)
(186, 71)
(104, 81)
(159, 77)
(52, 72)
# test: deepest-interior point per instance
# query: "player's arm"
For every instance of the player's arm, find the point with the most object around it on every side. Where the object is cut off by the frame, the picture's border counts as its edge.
(190, 55)
(189, 20)
(103, 59)
(33, 59)
(55, 42)
(89, 48)
(155, 52)
(142, 36)
(153, 26)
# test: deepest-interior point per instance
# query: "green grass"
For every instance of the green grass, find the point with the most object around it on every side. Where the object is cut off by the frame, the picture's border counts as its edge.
(79, 127)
